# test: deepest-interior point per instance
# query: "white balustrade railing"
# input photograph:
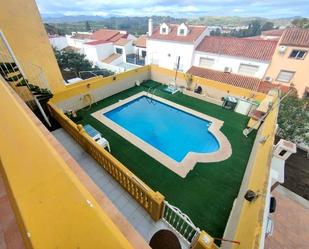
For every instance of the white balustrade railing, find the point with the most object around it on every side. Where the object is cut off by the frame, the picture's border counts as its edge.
(180, 223)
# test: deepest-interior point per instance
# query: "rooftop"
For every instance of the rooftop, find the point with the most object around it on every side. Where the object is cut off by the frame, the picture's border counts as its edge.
(247, 82)
(122, 42)
(80, 36)
(238, 47)
(273, 32)
(201, 186)
(295, 37)
(194, 33)
(111, 58)
(229, 78)
(105, 36)
(140, 41)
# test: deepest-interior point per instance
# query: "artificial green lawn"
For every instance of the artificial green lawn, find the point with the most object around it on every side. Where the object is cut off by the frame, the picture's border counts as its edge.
(207, 193)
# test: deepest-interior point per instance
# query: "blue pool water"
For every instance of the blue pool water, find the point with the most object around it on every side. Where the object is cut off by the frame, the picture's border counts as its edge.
(168, 129)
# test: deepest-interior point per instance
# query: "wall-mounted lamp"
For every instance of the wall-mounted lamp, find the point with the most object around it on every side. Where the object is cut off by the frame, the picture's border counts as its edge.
(251, 195)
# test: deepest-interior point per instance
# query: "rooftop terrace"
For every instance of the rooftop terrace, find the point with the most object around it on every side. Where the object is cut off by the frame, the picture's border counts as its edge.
(207, 193)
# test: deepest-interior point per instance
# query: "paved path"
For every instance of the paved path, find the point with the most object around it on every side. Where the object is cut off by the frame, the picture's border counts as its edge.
(291, 221)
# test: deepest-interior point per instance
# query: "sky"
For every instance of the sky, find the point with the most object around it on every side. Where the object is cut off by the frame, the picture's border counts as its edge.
(176, 8)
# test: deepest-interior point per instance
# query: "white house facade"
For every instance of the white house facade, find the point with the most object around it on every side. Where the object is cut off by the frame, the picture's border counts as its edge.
(232, 64)
(247, 57)
(168, 44)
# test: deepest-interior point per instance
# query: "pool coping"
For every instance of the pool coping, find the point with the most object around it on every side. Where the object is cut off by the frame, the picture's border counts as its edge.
(187, 164)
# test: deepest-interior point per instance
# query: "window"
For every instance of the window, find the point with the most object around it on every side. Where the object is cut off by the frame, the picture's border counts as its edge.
(206, 62)
(144, 53)
(285, 76)
(298, 54)
(181, 31)
(163, 30)
(249, 70)
(119, 50)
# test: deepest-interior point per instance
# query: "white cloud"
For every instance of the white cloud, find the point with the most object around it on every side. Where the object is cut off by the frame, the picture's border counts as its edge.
(269, 8)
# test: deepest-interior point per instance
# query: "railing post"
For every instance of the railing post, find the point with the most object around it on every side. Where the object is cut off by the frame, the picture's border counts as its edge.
(157, 206)
(204, 241)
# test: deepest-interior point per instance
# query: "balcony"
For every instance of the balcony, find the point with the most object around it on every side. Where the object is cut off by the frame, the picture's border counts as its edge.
(135, 59)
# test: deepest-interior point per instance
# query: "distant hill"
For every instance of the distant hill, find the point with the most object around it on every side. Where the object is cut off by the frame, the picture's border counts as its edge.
(239, 21)
(139, 25)
(209, 20)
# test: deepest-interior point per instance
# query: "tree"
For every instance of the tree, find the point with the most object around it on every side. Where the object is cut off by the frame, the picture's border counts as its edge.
(254, 28)
(70, 61)
(267, 26)
(87, 26)
(293, 120)
(301, 23)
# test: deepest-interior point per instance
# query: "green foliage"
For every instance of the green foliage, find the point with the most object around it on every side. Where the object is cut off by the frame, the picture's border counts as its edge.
(267, 26)
(294, 120)
(87, 26)
(74, 64)
(73, 61)
(52, 30)
(301, 23)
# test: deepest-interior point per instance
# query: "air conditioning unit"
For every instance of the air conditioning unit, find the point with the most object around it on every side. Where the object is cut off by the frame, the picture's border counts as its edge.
(268, 79)
(227, 69)
(282, 49)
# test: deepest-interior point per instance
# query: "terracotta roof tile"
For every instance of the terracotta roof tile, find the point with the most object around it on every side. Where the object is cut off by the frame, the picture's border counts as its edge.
(253, 84)
(111, 58)
(140, 42)
(265, 87)
(97, 42)
(81, 36)
(238, 47)
(228, 78)
(273, 32)
(295, 37)
(122, 42)
(105, 36)
(194, 34)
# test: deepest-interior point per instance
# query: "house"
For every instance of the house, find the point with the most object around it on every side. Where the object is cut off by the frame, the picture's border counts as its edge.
(58, 42)
(169, 43)
(290, 62)
(273, 34)
(100, 46)
(248, 57)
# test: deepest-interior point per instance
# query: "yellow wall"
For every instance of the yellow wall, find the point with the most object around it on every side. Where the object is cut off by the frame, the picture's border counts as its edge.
(227, 89)
(49, 201)
(283, 62)
(22, 26)
(249, 227)
(93, 83)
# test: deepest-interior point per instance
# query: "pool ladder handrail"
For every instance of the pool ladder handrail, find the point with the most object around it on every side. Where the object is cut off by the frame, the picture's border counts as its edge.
(150, 93)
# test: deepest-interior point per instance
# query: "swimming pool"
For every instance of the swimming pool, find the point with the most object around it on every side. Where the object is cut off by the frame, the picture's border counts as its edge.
(170, 130)
(175, 135)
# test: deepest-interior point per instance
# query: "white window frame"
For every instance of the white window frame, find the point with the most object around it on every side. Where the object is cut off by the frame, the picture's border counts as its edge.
(297, 53)
(285, 71)
(207, 59)
(248, 66)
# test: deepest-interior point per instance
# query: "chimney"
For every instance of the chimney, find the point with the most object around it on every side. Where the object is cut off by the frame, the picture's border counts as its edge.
(150, 27)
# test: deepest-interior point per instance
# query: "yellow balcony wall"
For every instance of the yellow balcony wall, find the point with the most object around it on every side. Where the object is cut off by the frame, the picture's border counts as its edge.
(53, 208)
